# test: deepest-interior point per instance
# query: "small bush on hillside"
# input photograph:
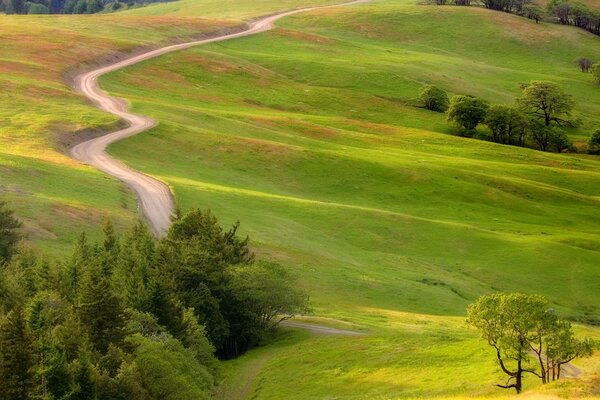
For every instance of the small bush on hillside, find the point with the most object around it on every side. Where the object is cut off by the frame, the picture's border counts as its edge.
(433, 98)
(594, 143)
(467, 111)
(35, 8)
(584, 64)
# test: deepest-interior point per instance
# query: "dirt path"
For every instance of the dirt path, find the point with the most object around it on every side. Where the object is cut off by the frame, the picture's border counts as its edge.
(155, 198)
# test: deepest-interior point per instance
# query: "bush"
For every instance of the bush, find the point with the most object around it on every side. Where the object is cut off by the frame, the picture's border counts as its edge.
(594, 143)
(35, 8)
(433, 98)
(467, 111)
(584, 64)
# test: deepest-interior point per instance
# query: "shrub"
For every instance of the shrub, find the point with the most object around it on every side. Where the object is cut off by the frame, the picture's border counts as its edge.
(585, 64)
(467, 111)
(433, 98)
(594, 143)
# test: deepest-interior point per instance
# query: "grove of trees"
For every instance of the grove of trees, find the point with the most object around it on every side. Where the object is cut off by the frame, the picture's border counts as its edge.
(131, 317)
(537, 119)
(67, 6)
(527, 336)
(566, 12)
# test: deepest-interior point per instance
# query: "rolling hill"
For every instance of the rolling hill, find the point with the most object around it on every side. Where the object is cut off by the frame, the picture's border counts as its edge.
(309, 136)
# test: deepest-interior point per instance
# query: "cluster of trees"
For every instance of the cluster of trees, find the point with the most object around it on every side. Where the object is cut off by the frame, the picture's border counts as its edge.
(131, 317)
(67, 6)
(566, 12)
(527, 336)
(570, 12)
(537, 119)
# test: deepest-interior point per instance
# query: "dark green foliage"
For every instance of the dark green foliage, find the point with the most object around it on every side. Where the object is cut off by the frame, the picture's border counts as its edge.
(467, 111)
(17, 357)
(132, 318)
(508, 125)
(594, 143)
(101, 312)
(9, 233)
(169, 371)
(433, 98)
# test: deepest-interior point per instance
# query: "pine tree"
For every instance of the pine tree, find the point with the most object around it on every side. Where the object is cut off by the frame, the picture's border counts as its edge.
(101, 313)
(16, 357)
(134, 267)
(76, 266)
(9, 226)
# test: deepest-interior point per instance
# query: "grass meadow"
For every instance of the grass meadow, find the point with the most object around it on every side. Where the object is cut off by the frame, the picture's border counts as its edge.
(309, 135)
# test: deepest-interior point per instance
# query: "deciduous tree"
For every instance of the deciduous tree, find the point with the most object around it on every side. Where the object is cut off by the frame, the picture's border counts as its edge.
(467, 111)
(433, 98)
(546, 101)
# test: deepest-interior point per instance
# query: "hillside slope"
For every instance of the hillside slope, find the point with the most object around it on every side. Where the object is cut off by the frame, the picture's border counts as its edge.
(308, 136)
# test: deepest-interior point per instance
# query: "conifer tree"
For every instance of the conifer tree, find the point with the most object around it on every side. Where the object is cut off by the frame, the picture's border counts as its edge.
(16, 357)
(101, 313)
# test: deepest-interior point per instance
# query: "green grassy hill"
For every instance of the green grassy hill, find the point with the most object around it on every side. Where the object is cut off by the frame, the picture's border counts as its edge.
(307, 134)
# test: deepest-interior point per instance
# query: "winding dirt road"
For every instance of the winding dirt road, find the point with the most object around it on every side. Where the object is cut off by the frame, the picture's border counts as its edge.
(155, 198)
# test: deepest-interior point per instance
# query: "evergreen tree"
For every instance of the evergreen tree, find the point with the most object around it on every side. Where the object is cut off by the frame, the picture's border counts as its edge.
(101, 313)
(9, 230)
(16, 357)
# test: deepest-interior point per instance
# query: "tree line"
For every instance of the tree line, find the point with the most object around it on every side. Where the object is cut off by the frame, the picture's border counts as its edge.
(130, 317)
(565, 12)
(527, 337)
(68, 6)
(538, 119)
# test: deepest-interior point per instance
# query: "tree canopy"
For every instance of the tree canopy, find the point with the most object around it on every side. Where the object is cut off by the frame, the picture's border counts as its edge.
(546, 102)
(518, 326)
(433, 98)
(131, 317)
(467, 111)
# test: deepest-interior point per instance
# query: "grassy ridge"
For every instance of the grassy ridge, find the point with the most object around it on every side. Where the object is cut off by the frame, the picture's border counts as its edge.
(307, 135)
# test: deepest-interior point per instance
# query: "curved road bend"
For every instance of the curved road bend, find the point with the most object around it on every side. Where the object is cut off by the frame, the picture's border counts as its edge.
(155, 198)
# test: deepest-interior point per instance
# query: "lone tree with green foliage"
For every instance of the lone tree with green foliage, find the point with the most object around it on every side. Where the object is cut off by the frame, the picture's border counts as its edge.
(596, 72)
(9, 233)
(519, 325)
(467, 111)
(433, 98)
(508, 124)
(547, 102)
